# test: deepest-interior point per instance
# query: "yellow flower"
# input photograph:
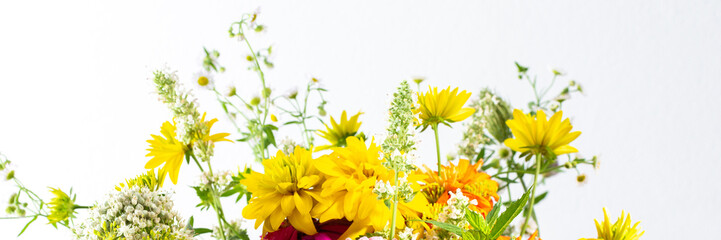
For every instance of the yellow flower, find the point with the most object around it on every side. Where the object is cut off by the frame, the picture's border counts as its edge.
(444, 107)
(168, 150)
(337, 133)
(61, 206)
(351, 174)
(538, 135)
(620, 230)
(148, 179)
(289, 188)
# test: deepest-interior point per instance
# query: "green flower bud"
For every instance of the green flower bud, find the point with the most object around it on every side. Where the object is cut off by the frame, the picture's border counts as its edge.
(222, 69)
(21, 212)
(572, 83)
(293, 94)
(12, 198)
(10, 209)
(267, 92)
(10, 175)
(232, 92)
(418, 80)
(568, 165)
(249, 58)
(504, 153)
(259, 28)
(321, 112)
(255, 101)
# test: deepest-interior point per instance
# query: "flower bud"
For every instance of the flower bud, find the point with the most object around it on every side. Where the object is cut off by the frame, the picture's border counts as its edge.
(293, 94)
(21, 212)
(12, 198)
(267, 92)
(418, 80)
(572, 83)
(10, 209)
(273, 118)
(222, 69)
(10, 175)
(249, 58)
(504, 152)
(568, 165)
(232, 92)
(255, 101)
(581, 178)
(321, 112)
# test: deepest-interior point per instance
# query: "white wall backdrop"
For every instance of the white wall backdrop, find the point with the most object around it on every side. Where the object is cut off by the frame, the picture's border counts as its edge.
(76, 105)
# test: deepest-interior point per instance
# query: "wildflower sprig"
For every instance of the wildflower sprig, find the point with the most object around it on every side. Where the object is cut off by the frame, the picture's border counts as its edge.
(397, 150)
(25, 203)
(299, 112)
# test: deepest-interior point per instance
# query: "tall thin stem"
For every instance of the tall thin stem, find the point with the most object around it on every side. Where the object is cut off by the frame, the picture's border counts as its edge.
(395, 205)
(438, 148)
(533, 193)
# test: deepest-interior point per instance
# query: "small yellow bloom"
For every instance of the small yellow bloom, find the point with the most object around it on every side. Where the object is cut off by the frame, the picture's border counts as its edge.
(168, 150)
(273, 118)
(443, 107)
(289, 189)
(351, 175)
(537, 134)
(337, 133)
(203, 81)
(61, 206)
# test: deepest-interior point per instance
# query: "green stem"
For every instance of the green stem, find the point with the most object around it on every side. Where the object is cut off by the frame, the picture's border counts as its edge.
(533, 193)
(438, 148)
(395, 206)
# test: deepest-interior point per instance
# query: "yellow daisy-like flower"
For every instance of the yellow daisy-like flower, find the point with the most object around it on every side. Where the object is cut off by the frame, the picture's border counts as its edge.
(148, 179)
(443, 107)
(337, 133)
(351, 174)
(289, 188)
(620, 230)
(168, 150)
(61, 206)
(538, 135)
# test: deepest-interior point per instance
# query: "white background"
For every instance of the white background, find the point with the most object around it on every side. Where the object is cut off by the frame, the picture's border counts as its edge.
(76, 105)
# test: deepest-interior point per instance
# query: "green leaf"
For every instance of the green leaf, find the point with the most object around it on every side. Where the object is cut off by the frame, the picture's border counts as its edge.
(28, 224)
(508, 180)
(507, 216)
(190, 223)
(477, 221)
(540, 197)
(199, 231)
(493, 214)
(469, 235)
(448, 227)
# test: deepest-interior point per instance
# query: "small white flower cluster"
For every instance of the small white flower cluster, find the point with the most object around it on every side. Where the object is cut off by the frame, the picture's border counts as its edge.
(134, 213)
(287, 145)
(221, 178)
(407, 234)
(456, 205)
(386, 191)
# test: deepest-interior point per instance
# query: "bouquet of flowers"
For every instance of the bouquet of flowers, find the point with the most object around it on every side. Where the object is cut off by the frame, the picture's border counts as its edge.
(337, 182)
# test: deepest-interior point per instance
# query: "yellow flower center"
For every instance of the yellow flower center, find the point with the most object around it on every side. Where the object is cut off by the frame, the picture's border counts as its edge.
(203, 81)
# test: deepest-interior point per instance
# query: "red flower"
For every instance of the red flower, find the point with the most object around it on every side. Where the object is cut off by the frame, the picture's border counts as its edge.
(330, 230)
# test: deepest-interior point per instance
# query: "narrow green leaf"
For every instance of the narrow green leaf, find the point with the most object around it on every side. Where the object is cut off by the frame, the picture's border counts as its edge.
(448, 227)
(507, 216)
(199, 231)
(27, 225)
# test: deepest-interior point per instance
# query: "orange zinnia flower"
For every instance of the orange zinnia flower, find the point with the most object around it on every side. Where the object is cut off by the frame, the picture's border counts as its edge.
(465, 176)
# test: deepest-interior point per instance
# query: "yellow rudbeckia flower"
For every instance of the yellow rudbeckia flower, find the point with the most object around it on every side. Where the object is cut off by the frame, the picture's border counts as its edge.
(168, 150)
(289, 189)
(538, 135)
(443, 107)
(337, 133)
(62, 207)
(351, 174)
(620, 230)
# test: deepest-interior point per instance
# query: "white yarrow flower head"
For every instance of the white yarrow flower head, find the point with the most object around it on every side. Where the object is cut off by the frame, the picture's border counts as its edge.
(133, 213)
